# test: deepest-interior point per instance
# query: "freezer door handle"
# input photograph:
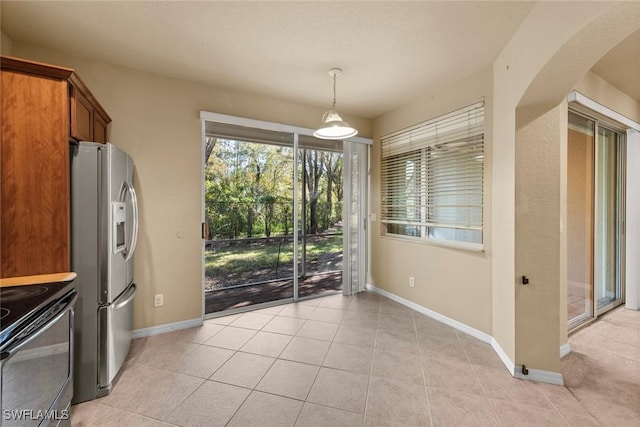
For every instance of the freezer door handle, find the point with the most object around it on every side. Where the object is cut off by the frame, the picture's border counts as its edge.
(134, 231)
(127, 299)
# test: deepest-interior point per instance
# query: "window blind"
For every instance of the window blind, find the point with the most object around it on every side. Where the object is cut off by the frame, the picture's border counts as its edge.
(432, 177)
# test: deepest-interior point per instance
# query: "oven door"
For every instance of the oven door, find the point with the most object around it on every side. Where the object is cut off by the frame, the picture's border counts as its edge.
(37, 372)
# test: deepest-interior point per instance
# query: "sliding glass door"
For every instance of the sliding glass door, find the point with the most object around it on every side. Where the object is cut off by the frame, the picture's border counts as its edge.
(321, 202)
(283, 215)
(595, 209)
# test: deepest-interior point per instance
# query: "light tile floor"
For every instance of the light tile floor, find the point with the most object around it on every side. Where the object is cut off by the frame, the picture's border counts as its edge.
(578, 298)
(363, 361)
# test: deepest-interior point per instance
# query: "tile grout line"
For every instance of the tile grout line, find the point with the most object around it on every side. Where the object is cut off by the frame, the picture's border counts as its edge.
(170, 371)
(373, 355)
(581, 404)
(310, 364)
(305, 401)
(424, 377)
(174, 372)
(317, 373)
(236, 351)
(240, 406)
(253, 389)
(131, 412)
(473, 366)
(475, 373)
(556, 409)
(185, 399)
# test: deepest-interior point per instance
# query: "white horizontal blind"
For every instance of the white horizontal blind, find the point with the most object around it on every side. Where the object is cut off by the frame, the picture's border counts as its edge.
(432, 177)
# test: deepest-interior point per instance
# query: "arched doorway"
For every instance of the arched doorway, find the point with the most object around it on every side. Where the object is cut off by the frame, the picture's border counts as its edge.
(532, 77)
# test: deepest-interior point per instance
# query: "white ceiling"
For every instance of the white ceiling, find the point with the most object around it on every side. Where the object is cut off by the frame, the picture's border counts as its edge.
(390, 51)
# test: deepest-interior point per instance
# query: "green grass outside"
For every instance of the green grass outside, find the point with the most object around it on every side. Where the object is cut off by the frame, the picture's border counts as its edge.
(235, 260)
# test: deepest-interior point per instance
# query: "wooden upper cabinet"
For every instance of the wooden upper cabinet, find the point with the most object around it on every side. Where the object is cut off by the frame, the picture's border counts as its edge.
(99, 128)
(38, 113)
(88, 119)
(81, 112)
(35, 177)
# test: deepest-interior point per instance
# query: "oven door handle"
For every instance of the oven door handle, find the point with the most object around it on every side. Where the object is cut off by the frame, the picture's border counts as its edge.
(68, 306)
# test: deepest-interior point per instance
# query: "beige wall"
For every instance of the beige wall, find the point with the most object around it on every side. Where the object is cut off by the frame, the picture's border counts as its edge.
(537, 237)
(156, 120)
(452, 282)
(6, 44)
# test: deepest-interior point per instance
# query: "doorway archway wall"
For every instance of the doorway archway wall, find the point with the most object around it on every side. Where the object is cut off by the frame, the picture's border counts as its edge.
(556, 45)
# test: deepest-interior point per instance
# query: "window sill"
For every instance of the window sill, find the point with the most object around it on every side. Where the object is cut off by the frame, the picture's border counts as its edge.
(465, 246)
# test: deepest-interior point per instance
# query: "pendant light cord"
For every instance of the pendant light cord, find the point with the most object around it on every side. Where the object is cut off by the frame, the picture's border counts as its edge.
(333, 108)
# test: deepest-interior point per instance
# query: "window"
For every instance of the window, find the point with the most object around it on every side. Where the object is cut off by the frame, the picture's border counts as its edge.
(432, 178)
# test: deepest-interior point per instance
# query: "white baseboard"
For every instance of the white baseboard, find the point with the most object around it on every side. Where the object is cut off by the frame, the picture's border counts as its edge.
(564, 350)
(540, 376)
(482, 336)
(167, 327)
(532, 374)
(514, 370)
(508, 363)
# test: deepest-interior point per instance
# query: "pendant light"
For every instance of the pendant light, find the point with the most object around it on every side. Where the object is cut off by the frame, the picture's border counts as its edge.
(333, 127)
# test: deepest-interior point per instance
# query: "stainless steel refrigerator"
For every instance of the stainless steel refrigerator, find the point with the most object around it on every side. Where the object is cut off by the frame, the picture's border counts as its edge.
(104, 229)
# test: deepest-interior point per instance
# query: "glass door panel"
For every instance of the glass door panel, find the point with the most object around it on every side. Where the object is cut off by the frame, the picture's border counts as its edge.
(580, 211)
(608, 223)
(249, 222)
(320, 217)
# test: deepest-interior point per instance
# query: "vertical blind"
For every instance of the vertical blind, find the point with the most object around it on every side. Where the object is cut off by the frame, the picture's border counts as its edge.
(432, 177)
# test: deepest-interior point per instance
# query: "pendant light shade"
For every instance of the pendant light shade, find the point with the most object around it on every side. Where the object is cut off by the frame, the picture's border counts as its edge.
(333, 127)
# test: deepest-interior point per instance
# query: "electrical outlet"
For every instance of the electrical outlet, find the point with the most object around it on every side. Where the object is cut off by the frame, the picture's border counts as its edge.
(158, 300)
(412, 282)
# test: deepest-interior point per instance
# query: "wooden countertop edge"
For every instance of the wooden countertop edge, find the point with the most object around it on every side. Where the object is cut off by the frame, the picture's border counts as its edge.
(41, 278)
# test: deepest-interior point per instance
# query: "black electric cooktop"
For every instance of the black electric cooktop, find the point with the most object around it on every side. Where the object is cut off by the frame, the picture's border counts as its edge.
(20, 305)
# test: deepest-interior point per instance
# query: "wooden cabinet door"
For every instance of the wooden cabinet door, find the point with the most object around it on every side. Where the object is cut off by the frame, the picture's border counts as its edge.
(34, 172)
(88, 119)
(81, 116)
(99, 128)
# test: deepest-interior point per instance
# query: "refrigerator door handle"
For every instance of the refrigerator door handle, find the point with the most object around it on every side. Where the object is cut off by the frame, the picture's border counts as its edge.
(127, 300)
(134, 232)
